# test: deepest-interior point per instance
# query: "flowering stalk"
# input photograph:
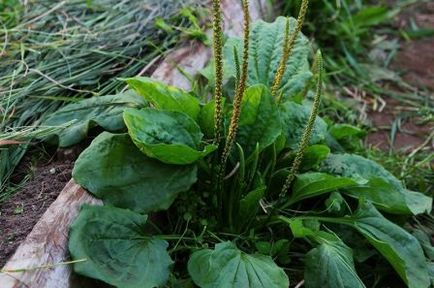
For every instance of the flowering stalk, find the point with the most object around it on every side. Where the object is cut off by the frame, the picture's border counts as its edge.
(218, 58)
(309, 127)
(289, 42)
(240, 88)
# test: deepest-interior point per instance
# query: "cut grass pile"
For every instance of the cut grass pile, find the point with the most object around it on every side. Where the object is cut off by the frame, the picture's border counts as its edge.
(55, 52)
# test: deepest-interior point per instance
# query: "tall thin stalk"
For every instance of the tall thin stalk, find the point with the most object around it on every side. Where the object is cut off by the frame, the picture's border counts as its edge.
(289, 43)
(309, 127)
(241, 87)
(218, 58)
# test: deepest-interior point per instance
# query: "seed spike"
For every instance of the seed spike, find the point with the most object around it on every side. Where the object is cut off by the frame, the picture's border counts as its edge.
(240, 88)
(304, 142)
(218, 59)
(289, 42)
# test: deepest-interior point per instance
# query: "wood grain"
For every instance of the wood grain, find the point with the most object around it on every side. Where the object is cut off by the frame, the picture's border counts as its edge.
(47, 244)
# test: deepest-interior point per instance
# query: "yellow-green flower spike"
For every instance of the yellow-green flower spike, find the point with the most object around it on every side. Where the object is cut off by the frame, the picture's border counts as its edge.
(241, 87)
(304, 142)
(218, 59)
(288, 43)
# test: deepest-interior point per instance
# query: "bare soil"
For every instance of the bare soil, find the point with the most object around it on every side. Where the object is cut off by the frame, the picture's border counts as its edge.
(20, 213)
(415, 61)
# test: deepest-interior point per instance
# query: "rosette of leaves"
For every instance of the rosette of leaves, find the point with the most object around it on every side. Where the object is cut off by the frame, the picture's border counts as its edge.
(168, 221)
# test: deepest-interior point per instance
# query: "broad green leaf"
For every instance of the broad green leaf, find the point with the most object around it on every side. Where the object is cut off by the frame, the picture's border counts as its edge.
(165, 97)
(116, 250)
(259, 120)
(113, 169)
(313, 156)
(294, 120)
(331, 265)
(171, 137)
(265, 52)
(104, 111)
(400, 248)
(379, 186)
(226, 267)
(313, 184)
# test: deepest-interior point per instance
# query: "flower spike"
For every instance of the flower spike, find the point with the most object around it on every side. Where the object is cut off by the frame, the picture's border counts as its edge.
(218, 58)
(288, 43)
(304, 142)
(240, 88)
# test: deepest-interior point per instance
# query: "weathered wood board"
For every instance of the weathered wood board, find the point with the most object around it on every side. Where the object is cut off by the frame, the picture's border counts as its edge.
(46, 245)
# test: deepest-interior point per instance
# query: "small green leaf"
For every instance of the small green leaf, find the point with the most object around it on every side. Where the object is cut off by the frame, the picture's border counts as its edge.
(113, 169)
(313, 184)
(335, 203)
(340, 131)
(116, 250)
(206, 118)
(400, 248)
(259, 120)
(379, 186)
(265, 53)
(294, 120)
(313, 156)
(226, 267)
(171, 137)
(104, 111)
(250, 203)
(164, 97)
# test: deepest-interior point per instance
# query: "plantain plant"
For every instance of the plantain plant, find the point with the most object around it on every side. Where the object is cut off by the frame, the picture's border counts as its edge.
(248, 189)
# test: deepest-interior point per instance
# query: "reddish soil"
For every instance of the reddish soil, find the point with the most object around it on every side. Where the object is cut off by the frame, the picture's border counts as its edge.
(20, 213)
(416, 62)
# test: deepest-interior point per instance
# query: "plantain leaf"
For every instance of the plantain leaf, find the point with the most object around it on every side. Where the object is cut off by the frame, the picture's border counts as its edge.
(265, 52)
(104, 111)
(226, 267)
(328, 265)
(340, 131)
(379, 186)
(294, 120)
(113, 169)
(313, 156)
(171, 137)
(331, 265)
(313, 184)
(165, 97)
(399, 247)
(116, 250)
(259, 120)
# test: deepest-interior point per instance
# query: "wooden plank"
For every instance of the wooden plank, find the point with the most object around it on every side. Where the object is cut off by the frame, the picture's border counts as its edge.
(47, 244)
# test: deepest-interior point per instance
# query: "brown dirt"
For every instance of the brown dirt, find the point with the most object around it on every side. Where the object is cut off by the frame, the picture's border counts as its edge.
(411, 131)
(20, 213)
(415, 61)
